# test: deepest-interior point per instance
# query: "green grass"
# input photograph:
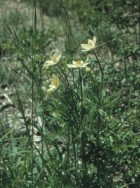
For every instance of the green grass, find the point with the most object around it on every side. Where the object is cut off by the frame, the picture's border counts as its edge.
(85, 133)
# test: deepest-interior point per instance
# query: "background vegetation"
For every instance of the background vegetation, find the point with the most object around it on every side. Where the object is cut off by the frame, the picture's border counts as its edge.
(86, 133)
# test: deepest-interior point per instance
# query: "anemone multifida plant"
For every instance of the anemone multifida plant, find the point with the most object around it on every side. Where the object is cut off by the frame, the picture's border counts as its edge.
(72, 130)
(73, 105)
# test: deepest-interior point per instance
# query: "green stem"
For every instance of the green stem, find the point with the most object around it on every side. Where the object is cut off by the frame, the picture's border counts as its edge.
(83, 143)
(101, 70)
(65, 76)
(99, 121)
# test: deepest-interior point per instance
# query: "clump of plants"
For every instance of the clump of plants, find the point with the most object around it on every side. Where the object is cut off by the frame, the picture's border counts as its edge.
(74, 120)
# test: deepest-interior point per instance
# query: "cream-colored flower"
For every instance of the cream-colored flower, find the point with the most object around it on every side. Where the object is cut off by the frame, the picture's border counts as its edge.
(89, 46)
(53, 61)
(78, 64)
(54, 83)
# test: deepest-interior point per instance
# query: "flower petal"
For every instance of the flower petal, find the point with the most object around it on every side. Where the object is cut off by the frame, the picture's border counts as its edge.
(55, 58)
(78, 64)
(54, 84)
(86, 47)
(90, 45)
(72, 66)
(50, 62)
(92, 42)
(53, 61)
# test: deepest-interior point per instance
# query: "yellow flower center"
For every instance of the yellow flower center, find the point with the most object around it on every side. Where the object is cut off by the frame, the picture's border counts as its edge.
(54, 58)
(79, 63)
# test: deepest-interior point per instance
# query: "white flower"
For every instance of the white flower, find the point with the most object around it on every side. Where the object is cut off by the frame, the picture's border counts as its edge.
(89, 46)
(53, 61)
(54, 84)
(78, 64)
